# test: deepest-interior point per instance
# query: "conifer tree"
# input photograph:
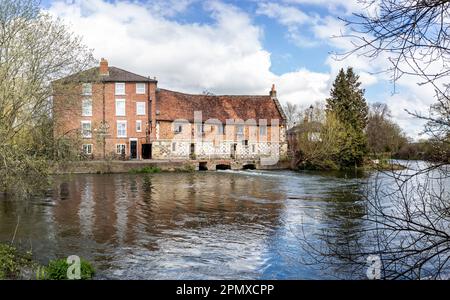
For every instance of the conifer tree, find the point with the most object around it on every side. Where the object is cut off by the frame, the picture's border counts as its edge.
(348, 104)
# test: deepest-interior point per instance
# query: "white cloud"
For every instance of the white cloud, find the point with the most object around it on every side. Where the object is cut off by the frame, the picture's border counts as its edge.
(304, 87)
(334, 6)
(286, 15)
(295, 20)
(225, 56)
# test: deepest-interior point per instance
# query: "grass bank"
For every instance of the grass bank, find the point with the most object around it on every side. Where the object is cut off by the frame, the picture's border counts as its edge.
(15, 265)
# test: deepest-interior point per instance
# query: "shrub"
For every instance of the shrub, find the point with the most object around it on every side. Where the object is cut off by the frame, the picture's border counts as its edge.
(7, 261)
(11, 262)
(57, 270)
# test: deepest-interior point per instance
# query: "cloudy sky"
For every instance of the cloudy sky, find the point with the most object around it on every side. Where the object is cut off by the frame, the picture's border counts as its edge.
(238, 47)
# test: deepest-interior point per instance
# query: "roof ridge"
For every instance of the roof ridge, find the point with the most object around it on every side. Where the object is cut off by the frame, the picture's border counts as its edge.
(214, 95)
(123, 70)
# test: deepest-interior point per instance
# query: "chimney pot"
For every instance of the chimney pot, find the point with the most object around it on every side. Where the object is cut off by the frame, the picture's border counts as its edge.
(273, 92)
(104, 70)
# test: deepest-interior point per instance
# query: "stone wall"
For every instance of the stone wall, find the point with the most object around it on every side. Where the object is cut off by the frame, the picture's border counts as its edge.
(105, 167)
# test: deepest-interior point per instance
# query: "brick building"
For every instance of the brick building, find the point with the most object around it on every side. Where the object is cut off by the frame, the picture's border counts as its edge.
(121, 114)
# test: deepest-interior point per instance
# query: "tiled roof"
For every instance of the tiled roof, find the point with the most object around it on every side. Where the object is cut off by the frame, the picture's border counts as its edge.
(115, 75)
(172, 105)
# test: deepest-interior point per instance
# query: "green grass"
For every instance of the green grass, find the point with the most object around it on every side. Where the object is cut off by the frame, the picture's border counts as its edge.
(15, 265)
(57, 270)
(145, 170)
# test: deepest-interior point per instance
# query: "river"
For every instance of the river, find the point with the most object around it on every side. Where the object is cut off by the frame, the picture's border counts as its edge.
(201, 225)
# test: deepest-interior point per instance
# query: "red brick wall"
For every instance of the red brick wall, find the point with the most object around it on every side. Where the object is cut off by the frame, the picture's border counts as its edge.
(67, 112)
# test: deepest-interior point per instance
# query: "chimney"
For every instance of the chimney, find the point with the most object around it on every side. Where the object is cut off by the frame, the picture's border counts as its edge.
(104, 71)
(273, 92)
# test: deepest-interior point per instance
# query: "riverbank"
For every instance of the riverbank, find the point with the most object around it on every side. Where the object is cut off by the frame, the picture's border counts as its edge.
(369, 165)
(117, 166)
(17, 265)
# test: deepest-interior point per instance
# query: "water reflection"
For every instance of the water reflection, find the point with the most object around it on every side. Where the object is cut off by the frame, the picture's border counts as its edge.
(211, 225)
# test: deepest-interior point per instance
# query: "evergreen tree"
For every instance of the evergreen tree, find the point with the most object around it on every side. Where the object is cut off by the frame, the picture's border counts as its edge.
(347, 103)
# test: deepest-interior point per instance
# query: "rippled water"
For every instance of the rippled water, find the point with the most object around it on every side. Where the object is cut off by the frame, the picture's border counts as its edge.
(204, 225)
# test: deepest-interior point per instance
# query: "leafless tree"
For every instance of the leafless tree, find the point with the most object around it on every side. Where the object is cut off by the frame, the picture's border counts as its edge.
(292, 112)
(407, 213)
(384, 136)
(35, 49)
(406, 219)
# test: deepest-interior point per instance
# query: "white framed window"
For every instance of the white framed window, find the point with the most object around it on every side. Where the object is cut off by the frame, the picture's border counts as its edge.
(86, 107)
(178, 128)
(86, 129)
(87, 149)
(86, 89)
(140, 108)
(120, 88)
(174, 147)
(121, 149)
(140, 88)
(262, 130)
(240, 130)
(200, 129)
(121, 129)
(138, 126)
(221, 129)
(120, 107)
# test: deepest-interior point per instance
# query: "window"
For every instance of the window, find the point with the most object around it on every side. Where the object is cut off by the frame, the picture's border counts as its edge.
(240, 130)
(120, 88)
(221, 129)
(121, 129)
(86, 109)
(174, 147)
(178, 128)
(87, 89)
(86, 130)
(87, 149)
(140, 88)
(140, 108)
(120, 107)
(262, 130)
(138, 126)
(200, 130)
(253, 148)
(245, 143)
(120, 149)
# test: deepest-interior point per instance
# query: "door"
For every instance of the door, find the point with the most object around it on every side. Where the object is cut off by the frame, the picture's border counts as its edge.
(133, 149)
(192, 152)
(146, 151)
(233, 151)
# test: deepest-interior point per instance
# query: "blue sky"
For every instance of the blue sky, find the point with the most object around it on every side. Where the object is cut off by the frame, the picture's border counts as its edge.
(237, 47)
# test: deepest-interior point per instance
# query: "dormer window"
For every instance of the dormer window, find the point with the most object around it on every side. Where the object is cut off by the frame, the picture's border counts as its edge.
(262, 130)
(178, 128)
(240, 130)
